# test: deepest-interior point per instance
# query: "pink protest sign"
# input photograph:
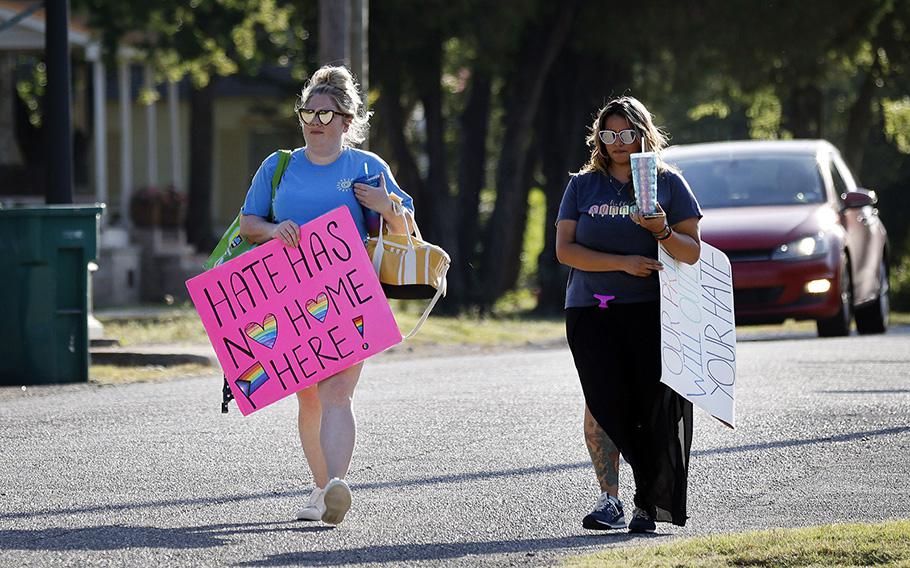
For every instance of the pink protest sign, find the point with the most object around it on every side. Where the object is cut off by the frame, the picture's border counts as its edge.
(281, 318)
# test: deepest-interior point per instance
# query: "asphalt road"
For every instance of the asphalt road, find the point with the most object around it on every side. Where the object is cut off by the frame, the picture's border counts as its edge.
(475, 460)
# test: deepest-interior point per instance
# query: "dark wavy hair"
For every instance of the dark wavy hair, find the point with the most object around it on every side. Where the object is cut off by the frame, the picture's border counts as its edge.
(653, 138)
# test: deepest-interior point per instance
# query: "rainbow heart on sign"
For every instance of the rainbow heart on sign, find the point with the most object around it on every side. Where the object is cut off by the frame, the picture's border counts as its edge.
(266, 334)
(318, 308)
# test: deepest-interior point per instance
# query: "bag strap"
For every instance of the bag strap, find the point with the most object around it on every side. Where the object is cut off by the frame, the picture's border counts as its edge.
(380, 249)
(377, 264)
(284, 158)
(426, 313)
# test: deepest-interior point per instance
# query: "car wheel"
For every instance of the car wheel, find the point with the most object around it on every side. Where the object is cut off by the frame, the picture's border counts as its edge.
(873, 317)
(839, 324)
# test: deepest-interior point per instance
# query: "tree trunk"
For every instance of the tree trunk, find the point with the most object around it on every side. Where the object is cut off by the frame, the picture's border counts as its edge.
(859, 121)
(804, 112)
(9, 146)
(395, 116)
(540, 47)
(199, 206)
(515, 231)
(575, 96)
(562, 150)
(440, 207)
(472, 151)
(436, 191)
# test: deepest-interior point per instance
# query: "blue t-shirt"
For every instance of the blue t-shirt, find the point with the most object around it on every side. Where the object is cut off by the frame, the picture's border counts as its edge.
(601, 206)
(308, 190)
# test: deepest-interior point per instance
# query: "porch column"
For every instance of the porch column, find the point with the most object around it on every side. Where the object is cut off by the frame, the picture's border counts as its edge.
(99, 128)
(126, 144)
(176, 156)
(151, 127)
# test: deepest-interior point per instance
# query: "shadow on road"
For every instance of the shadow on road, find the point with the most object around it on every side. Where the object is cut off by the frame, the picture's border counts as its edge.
(744, 334)
(438, 551)
(866, 391)
(436, 480)
(120, 537)
(805, 442)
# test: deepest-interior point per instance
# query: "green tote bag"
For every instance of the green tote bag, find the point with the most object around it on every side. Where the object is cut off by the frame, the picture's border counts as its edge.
(232, 243)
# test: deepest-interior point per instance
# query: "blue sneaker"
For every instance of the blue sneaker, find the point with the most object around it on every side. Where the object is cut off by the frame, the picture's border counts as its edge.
(607, 514)
(641, 522)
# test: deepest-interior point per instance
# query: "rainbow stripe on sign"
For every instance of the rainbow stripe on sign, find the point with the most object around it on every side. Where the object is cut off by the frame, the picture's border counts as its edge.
(251, 379)
(266, 334)
(358, 323)
(319, 307)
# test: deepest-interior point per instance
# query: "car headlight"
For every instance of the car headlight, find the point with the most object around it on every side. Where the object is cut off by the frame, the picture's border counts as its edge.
(811, 246)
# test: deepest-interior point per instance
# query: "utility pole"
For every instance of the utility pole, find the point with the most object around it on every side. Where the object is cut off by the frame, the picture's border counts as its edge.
(360, 51)
(335, 32)
(58, 128)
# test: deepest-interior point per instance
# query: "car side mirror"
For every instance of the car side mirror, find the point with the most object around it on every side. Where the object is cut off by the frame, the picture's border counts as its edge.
(859, 198)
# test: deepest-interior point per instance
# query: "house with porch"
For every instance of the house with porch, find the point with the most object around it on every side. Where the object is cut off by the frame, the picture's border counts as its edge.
(129, 149)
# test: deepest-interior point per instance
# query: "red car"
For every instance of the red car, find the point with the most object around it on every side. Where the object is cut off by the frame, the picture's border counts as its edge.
(805, 242)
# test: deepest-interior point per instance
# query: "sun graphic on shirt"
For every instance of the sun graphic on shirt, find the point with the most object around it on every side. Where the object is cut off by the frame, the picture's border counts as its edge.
(345, 184)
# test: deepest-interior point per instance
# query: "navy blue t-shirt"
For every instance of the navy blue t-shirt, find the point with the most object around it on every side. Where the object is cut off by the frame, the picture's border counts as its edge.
(601, 206)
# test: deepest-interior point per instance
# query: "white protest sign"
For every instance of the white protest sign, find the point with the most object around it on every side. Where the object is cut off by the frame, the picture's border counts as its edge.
(698, 331)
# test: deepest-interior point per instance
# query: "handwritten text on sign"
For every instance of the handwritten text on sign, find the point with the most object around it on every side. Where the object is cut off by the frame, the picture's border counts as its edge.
(698, 331)
(281, 318)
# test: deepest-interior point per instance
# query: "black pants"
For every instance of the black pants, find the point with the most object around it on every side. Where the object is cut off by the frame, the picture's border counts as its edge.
(617, 355)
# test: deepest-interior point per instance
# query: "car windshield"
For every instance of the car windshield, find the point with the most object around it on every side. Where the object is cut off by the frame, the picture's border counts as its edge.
(743, 181)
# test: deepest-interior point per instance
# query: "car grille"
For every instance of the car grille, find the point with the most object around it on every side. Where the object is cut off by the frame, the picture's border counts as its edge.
(757, 296)
(748, 255)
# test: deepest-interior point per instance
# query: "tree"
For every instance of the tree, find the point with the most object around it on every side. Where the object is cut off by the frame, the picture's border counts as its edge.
(203, 41)
(541, 43)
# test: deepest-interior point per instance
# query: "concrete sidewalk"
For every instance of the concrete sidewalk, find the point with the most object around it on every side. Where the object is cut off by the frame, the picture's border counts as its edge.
(161, 355)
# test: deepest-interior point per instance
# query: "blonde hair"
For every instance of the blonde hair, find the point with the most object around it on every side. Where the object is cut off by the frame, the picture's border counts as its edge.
(339, 84)
(653, 138)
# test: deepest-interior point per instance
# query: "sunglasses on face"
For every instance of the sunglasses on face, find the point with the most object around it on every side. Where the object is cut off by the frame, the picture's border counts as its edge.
(326, 116)
(627, 136)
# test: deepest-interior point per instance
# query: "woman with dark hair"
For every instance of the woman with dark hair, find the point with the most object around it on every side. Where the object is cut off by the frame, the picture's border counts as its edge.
(320, 177)
(613, 317)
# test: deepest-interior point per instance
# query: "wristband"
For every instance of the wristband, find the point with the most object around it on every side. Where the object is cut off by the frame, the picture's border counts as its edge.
(665, 234)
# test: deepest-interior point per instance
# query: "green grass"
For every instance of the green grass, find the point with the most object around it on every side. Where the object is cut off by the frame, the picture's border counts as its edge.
(174, 326)
(483, 332)
(882, 544)
(182, 325)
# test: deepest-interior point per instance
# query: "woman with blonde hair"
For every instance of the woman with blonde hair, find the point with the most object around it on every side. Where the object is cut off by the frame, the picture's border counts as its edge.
(613, 317)
(320, 177)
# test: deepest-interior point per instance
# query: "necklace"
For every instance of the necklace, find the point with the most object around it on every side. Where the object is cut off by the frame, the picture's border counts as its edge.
(617, 185)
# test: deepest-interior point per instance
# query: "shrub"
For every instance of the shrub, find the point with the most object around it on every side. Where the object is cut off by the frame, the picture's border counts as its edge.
(900, 285)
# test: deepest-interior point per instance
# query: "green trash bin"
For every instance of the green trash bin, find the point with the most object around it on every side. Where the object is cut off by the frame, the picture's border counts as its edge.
(44, 292)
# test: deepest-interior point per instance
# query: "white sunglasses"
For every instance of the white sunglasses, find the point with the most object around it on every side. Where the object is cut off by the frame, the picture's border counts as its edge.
(627, 136)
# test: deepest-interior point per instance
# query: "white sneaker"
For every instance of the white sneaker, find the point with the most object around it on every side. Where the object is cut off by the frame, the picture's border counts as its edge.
(337, 499)
(314, 508)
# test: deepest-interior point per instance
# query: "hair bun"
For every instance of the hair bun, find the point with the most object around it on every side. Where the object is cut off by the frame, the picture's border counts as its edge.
(336, 77)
